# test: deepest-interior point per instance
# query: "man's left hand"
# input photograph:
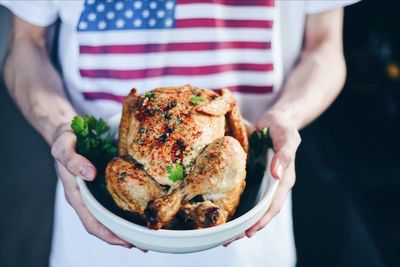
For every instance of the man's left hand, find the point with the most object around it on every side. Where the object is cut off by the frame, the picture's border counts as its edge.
(286, 139)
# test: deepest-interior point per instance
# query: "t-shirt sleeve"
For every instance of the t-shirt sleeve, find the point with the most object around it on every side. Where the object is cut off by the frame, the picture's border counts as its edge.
(39, 13)
(312, 6)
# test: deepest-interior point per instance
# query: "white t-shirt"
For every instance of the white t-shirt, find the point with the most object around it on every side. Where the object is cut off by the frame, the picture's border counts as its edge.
(107, 47)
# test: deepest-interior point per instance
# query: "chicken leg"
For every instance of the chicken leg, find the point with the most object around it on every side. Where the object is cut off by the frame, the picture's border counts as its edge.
(130, 186)
(216, 177)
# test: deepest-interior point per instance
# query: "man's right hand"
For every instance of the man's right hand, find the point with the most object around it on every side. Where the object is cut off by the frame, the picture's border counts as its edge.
(40, 95)
(69, 165)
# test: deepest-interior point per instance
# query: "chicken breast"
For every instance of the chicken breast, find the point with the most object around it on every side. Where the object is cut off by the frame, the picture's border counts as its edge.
(171, 133)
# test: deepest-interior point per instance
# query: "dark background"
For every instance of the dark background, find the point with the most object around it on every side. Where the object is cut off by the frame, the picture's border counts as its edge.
(345, 202)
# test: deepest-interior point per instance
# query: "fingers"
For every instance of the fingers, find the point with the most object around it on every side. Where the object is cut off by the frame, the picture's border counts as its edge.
(279, 198)
(235, 239)
(90, 223)
(95, 228)
(286, 142)
(285, 138)
(286, 147)
(63, 150)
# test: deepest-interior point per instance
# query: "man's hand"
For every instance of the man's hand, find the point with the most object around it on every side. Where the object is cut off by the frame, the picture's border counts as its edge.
(286, 139)
(310, 87)
(40, 95)
(69, 165)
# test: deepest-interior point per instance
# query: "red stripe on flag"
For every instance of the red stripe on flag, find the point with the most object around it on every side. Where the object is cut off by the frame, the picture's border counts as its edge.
(171, 47)
(103, 96)
(251, 89)
(169, 71)
(222, 23)
(230, 2)
(245, 89)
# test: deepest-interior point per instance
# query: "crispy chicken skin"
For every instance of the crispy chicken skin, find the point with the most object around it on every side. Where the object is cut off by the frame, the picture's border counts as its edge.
(218, 175)
(130, 186)
(188, 126)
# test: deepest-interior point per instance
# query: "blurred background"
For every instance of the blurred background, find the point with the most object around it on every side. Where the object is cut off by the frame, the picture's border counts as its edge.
(347, 196)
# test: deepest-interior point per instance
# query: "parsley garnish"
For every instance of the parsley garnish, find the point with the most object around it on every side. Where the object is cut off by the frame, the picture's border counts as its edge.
(259, 143)
(122, 176)
(150, 112)
(80, 126)
(179, 120)
(148, 94)
(175, 172)
(94, 139)
(197, 100)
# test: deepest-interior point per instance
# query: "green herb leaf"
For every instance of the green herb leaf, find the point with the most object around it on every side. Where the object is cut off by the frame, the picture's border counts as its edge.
(259, 143)
(94, 139)
(91, 121)
(122, 176)
(175, 172)
(179, 120)
(101, 126)
(197, 100)
(79, 126)
(265, 133)
(148, 94)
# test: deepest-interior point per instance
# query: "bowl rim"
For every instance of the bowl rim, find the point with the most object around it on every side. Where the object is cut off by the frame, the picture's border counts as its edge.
(183, 233)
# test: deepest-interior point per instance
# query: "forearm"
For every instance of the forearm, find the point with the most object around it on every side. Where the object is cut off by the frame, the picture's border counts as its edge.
(36, 87)
(320, 73)
(312, 85)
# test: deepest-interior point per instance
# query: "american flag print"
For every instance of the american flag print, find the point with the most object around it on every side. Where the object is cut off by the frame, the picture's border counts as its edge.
(153, 43)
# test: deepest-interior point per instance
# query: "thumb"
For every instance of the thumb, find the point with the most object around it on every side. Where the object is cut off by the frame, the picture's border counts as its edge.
(285, 154)
(63, 150)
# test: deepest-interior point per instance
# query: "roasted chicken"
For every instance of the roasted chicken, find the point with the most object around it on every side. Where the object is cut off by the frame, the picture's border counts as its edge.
(180, 149)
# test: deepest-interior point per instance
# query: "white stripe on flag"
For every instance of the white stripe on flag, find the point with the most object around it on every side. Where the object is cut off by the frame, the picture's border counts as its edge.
(191, 11)
(174, 36)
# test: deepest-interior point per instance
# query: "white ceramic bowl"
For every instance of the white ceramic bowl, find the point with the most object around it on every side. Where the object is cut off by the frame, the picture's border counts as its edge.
(181, 241)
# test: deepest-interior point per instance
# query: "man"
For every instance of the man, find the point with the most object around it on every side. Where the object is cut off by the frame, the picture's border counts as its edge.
(282, 59)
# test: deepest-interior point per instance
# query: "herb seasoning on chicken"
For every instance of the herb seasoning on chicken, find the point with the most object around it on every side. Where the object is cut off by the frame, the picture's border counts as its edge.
(178, 135)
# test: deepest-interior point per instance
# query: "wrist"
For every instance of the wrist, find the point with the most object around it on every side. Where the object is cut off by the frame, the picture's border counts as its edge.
(62, 128)
(279, 116)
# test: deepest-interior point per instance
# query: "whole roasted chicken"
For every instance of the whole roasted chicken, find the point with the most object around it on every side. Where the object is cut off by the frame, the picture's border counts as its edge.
(181, 149)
